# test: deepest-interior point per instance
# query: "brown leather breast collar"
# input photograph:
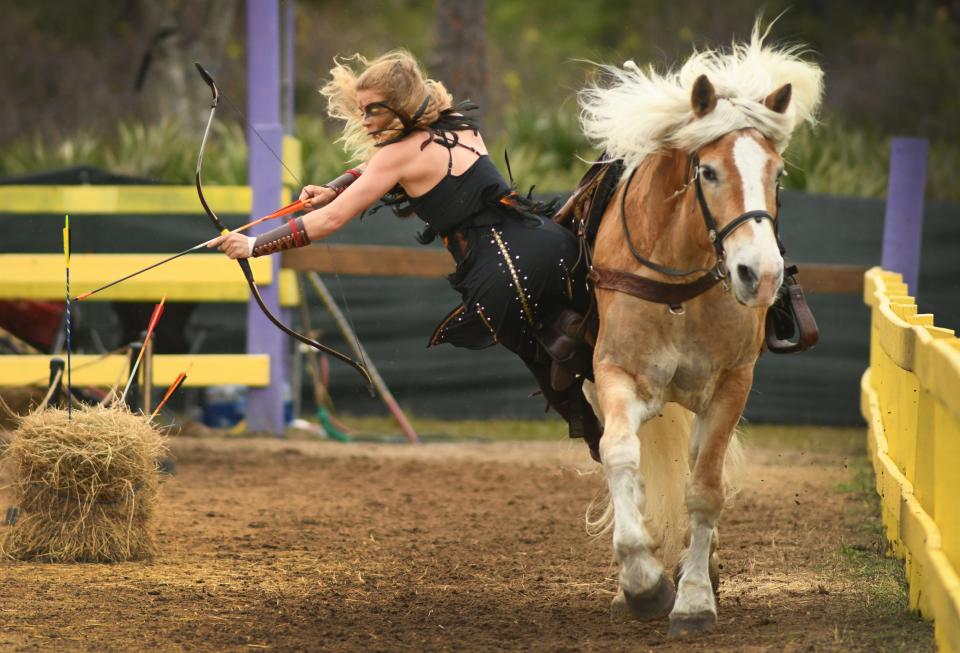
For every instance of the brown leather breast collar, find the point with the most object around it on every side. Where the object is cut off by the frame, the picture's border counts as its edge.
(672, 294)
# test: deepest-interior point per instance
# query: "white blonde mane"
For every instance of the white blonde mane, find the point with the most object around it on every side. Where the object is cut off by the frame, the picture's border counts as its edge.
(641, 112)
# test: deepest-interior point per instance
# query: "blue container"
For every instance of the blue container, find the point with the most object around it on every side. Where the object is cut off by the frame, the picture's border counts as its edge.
(224, 406)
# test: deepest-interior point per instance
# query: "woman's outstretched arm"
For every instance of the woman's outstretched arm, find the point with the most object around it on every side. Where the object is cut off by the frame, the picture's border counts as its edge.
(381, 174)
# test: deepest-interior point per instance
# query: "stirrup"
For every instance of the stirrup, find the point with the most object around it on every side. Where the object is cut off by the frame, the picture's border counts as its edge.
(790, 325)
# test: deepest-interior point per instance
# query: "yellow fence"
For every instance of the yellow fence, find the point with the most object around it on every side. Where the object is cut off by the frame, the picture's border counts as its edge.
(910, 397)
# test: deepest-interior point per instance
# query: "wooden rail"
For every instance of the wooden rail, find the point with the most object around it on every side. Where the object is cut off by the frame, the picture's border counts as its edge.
(370, 260)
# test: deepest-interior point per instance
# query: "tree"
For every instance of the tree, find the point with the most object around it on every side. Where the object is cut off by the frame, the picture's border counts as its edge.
(461, 52)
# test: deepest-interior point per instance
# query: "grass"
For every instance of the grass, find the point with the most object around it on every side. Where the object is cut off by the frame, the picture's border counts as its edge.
(549, 428)
(822, 439)
(877, 578)
(848, 441)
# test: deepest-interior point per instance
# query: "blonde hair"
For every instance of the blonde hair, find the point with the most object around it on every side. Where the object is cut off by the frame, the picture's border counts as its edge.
(401, 81)
(642, 112)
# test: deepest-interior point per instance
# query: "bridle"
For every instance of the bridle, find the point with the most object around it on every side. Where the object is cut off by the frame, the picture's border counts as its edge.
(716, 236)
(674, 294)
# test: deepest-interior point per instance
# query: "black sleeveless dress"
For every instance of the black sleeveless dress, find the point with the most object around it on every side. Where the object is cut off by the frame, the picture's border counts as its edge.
(516, 270)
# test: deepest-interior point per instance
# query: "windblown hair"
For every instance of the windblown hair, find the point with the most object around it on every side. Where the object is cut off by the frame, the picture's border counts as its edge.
(401, 81)
(639, 112)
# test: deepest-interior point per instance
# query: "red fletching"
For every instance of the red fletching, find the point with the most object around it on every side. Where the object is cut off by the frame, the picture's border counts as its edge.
(157, 312)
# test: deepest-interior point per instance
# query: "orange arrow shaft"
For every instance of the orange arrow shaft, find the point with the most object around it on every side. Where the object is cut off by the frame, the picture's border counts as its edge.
(293, 207)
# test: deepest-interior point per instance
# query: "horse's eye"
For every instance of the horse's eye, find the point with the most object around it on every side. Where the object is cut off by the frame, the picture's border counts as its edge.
(708, 173)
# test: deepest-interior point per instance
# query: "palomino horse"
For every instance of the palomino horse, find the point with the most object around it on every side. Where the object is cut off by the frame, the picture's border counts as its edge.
(673, 365)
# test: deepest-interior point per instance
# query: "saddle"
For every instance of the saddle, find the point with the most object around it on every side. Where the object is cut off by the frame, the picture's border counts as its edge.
(582, 211)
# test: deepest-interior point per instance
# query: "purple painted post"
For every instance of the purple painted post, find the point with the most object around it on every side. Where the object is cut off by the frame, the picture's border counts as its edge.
(265, 405)
(289, 38)
(903, 221)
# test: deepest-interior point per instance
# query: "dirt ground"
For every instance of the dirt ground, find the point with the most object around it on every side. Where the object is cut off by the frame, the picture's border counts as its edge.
(292, 546)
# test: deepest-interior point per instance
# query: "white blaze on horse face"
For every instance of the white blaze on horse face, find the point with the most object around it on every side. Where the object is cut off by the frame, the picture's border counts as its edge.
(753, 258)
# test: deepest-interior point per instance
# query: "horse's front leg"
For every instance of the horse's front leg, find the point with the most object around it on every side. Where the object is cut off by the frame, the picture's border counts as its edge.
(646, 593)
(695, 609)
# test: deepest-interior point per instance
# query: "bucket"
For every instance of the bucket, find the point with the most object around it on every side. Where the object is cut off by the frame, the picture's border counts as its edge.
(224, 405)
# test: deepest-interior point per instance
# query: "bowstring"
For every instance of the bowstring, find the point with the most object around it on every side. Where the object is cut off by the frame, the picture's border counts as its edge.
(336, 275)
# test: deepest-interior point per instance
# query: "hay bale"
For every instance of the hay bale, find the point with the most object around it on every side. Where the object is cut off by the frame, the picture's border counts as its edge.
(86, 488)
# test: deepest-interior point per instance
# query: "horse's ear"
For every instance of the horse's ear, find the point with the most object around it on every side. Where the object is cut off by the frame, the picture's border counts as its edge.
(779, 100)
(704, 97)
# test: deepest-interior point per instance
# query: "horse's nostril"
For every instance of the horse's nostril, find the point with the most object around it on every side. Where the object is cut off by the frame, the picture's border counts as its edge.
(746, 274)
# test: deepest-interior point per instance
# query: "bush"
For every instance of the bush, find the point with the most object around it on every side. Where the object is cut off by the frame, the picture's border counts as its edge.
(545, 149)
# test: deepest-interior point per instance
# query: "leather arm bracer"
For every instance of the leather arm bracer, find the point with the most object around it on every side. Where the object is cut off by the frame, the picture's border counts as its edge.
(341, 183)
(287, 236)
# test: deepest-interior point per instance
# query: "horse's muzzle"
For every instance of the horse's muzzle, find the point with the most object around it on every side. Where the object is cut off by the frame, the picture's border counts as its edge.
(753, 288)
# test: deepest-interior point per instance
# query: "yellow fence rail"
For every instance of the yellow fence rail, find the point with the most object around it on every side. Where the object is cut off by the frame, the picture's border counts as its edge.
(106, 371)
(910, 397)
(123, 200)
(194, 278)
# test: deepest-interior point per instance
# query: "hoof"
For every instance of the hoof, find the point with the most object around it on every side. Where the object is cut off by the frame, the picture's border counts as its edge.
(652, 605)
(691, 624)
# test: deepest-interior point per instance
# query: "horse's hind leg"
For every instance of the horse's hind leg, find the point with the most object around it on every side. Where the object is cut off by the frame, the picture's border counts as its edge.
(645, 592)
(696, 608)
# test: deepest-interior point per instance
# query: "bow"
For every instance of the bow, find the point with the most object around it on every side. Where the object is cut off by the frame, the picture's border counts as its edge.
(244, 264)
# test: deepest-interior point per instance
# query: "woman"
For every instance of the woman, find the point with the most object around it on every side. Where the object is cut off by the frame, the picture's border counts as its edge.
(518, 273)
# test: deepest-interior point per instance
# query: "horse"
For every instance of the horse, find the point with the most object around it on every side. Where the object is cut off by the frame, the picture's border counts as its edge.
(686, 262)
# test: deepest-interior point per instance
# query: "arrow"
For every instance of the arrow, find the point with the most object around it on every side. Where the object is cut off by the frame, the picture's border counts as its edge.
(293, 207)
(173, 388)
(157, 312)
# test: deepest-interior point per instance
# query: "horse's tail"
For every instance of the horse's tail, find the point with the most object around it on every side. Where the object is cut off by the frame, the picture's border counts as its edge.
(664, 446)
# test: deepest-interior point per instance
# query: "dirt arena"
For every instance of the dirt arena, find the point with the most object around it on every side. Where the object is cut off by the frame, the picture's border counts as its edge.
(293, 546)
